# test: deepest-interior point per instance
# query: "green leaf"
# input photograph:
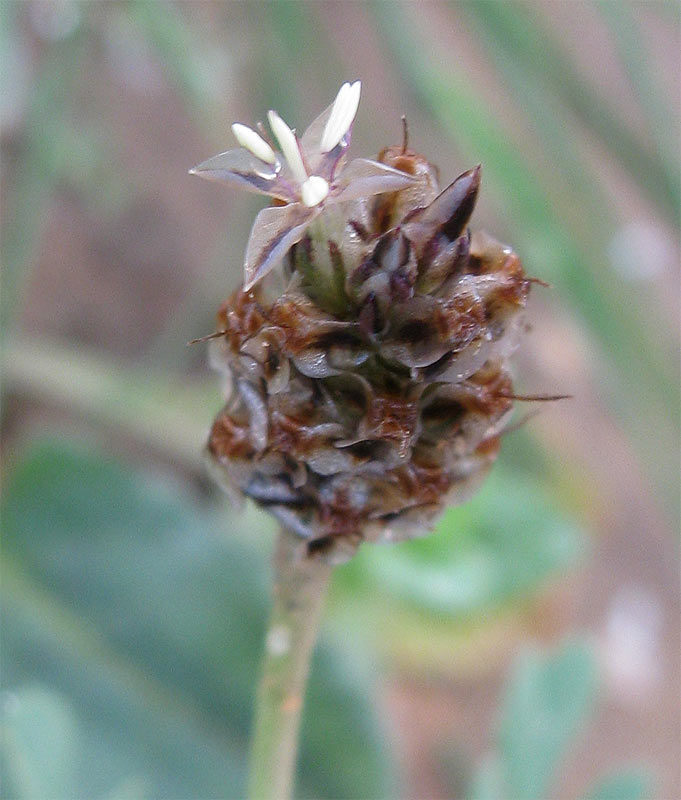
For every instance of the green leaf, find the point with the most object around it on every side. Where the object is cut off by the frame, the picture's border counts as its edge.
(38, 744)
(548, 701)
(146, 614)
(630, 784)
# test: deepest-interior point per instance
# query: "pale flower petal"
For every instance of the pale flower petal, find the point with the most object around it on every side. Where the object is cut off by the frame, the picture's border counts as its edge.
(240, 168)
(275, 230)
(311, 139)
(318, 163)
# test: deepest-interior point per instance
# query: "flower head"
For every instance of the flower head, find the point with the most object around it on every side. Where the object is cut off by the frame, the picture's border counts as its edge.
(307, 174)
(368, 387)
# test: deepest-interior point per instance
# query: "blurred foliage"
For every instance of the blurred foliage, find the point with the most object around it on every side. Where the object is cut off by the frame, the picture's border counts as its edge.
(547, 702)
(625, 785)
(544, 708)
(148, 626)
(132, 630)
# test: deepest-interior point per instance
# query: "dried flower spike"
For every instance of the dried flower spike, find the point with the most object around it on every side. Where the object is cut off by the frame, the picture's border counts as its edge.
(367, 381)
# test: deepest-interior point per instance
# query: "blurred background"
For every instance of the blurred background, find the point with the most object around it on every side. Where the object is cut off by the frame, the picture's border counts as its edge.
(527, 649)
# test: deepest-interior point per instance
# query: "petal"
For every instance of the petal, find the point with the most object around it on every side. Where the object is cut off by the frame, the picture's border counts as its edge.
(318, 163)
(274, 231)
(240, 168)
(312, 137)
(364, 178)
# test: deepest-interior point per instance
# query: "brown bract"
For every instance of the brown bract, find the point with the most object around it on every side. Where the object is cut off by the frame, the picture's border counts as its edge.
(370, 390)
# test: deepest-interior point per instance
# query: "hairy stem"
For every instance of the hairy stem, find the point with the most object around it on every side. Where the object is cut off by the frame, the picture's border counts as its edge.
(300, 585)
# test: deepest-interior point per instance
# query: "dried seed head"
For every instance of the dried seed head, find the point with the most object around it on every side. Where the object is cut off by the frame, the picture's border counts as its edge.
(367, 375)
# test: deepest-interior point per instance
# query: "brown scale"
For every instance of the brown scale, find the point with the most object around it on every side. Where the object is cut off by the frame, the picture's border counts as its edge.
(301, 328)
(239, 318)
(488, 393)
(228, 439)
(391, 208)
(339, 517)
(510, 292)
(394, 419)
(291, 436)
(460, 319)
(422, 484)
(489, 447)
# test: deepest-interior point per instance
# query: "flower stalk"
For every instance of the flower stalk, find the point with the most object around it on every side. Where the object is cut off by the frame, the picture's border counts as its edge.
(300, 585)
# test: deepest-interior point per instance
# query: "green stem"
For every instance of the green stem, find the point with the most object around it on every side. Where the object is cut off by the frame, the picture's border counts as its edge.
(300, 585)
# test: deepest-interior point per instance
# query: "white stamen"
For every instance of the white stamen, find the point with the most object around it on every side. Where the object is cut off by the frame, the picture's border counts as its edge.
(254, 143)
(332, 121)
(289, 146)
(330, 137)
(342, 115)
(313, 191)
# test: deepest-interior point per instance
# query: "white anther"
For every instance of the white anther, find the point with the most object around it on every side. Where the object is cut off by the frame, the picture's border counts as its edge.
(254, 143)
(313, 191)
(289, 146)
(342, 115)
